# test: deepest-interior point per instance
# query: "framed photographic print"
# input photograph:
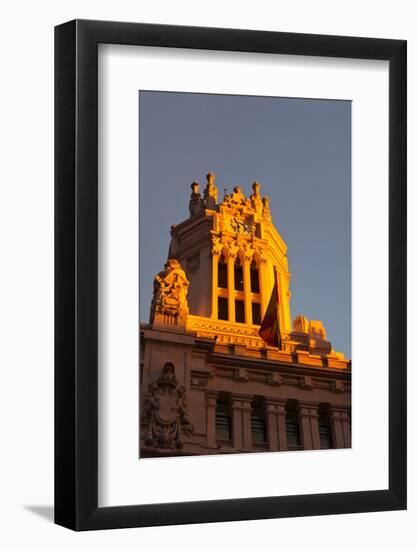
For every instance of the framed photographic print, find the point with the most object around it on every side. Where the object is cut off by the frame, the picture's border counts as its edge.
(230, 275)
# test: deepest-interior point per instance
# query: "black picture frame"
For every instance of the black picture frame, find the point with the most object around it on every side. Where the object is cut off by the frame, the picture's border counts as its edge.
(76, 272)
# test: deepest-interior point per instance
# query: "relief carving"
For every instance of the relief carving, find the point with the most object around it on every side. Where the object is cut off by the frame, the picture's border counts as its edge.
(164, 412)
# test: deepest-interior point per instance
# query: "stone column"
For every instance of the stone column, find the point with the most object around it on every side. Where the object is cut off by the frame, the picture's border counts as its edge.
(211, 402)
(275, 424)
(284, 296)
(247, 289)
(215, 284)
(263, 289)
(241, 422)
(309, 425)
(340, 428)
(231, 286)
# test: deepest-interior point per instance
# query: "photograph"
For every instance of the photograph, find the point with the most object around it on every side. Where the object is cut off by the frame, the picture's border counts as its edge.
(211, 209)
(244, 274)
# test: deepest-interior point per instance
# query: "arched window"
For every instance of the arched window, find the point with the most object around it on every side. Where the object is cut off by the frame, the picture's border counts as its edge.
(222, 272)
(254, 278)
(223, 417)
(292, 426)
(258, 424)
(238, 275)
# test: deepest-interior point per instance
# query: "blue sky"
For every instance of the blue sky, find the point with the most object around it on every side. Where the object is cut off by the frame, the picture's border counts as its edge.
(300, 152)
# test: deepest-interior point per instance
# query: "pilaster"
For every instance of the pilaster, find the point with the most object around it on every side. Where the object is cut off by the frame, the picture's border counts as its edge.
(231, 285)
(309, 425)
(340, 427)
(215, 284)
(211, 402)
(275, 422)
(241, 421)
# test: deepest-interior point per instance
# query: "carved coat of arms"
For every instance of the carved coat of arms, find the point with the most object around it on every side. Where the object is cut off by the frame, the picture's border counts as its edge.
(164, 413)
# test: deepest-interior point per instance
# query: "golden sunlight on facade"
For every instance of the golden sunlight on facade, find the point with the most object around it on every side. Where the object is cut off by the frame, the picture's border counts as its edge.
(209, 383)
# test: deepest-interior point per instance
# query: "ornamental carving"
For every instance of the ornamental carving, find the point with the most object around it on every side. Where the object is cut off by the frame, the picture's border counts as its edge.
(196, 204)
(164, 413)
(170, 290)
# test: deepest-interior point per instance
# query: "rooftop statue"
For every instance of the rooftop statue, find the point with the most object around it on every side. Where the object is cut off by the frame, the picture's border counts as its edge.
(170, 290)
(210, 192)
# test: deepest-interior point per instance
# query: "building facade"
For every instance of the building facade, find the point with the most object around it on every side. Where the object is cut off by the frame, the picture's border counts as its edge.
(208, 383)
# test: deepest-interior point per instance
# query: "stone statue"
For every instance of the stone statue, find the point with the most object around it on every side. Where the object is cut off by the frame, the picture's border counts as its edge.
(256, 201)
(266, 211)
(170, 290)
(196, 203)
(210, 192)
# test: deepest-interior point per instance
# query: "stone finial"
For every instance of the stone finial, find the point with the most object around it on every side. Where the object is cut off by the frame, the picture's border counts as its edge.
(194, 188)
(266, 211)
(256, 187)
(169, 303)
(210, 192)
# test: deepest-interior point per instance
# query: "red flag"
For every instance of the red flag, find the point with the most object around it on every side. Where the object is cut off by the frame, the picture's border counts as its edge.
(270, 331)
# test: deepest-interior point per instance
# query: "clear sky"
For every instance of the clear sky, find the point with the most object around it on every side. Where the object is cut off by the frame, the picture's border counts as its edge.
(300, 152)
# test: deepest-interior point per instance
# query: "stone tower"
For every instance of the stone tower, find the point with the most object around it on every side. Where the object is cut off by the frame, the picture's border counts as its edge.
(209, 383)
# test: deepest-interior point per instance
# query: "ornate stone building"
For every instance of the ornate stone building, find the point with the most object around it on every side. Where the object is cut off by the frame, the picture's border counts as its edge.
(209, 384)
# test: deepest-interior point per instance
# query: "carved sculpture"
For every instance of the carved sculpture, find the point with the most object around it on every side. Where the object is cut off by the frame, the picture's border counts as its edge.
(210, 192)
(266, 211)
(164, 412)
(170, 290)
(255, 198)
(196, 204)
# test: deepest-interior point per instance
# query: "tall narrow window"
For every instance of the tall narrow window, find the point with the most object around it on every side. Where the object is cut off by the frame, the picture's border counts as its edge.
(222, 272)
(325, 433)
(239, 311)
(238, 275)
(222, 306)
(258, 424)
(256, 313)
(292, 427)
(223, 418)
(254, 278)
